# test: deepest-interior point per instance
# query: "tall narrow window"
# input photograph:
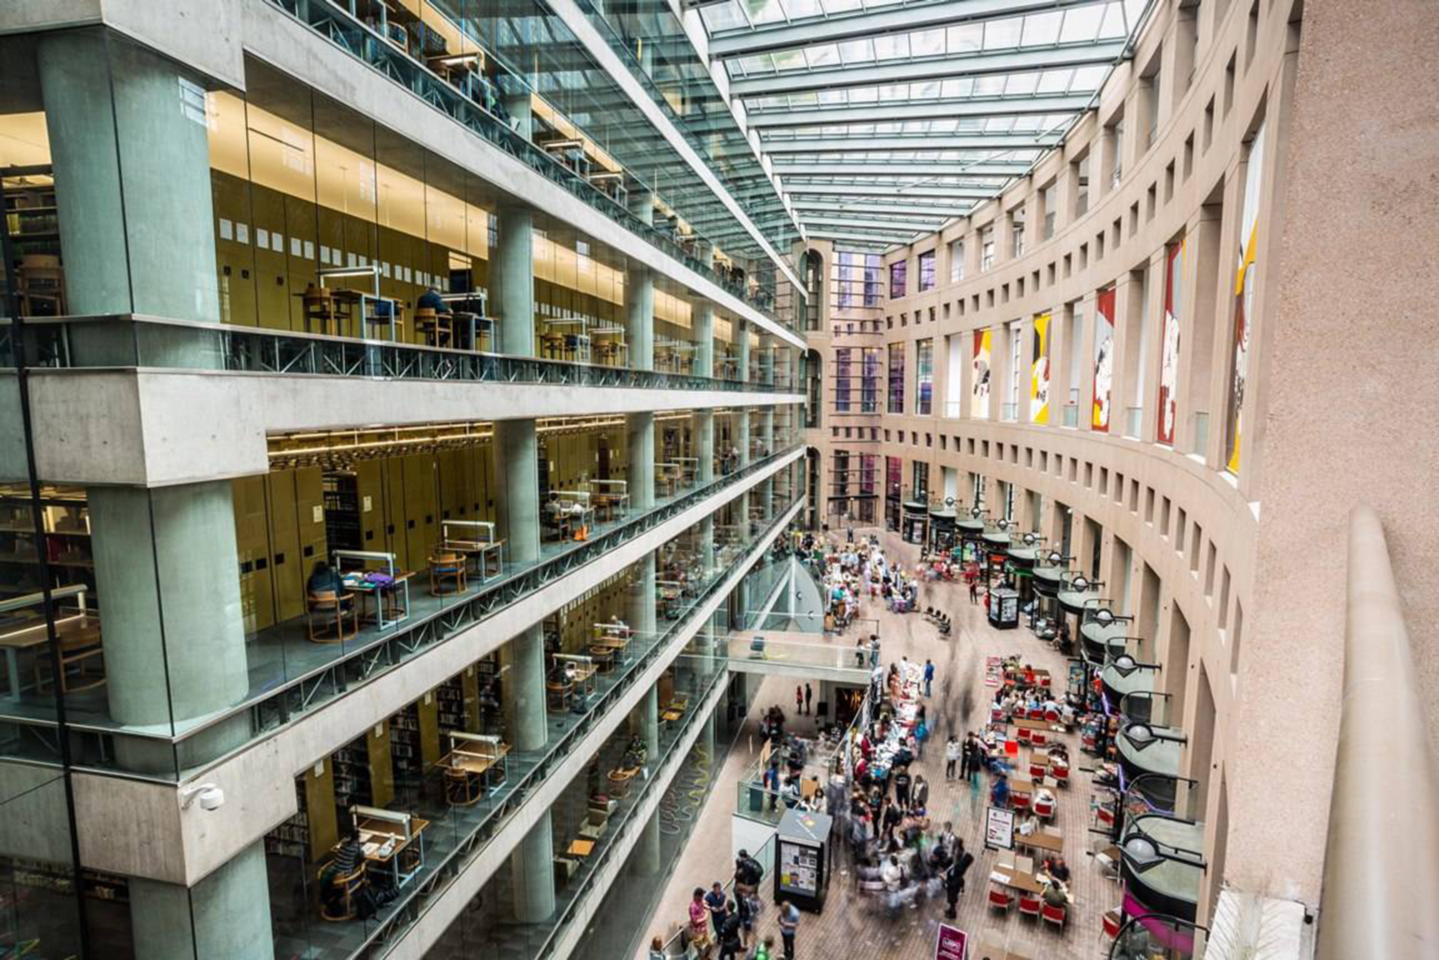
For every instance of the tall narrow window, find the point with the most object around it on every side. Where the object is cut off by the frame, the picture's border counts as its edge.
(926, 271)
(986, 249)
(898, 279)
(842, 374)
(956, 261)
(896, 378)
(924, 377)
(869, 381)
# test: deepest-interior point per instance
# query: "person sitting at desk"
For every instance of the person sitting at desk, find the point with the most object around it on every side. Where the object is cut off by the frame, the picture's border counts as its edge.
(621, 629)
(636, 754)
(431, 300)
(344, 863)
(1058, 870)
(325, 579)
(1055, 895)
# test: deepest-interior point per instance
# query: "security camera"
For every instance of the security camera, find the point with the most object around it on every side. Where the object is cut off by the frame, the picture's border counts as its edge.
(210, 796)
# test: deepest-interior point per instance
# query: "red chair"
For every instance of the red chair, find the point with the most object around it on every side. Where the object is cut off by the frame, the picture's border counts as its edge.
(1112, 923)
(1028, 906)
(1039, 738)
(1019, 800)
(1044, 681)
(1044, 808)
(999, 900)
(1037, 771)
(1051, 716)
(1060, 775)
(1023, 734)
(1055, 915)
(1105, 816)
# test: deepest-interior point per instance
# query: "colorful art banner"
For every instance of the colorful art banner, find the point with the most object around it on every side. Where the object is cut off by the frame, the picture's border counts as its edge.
(1039, 371)
(1103, 361)
(1169, 345)
(979, 392)
(1244, 282)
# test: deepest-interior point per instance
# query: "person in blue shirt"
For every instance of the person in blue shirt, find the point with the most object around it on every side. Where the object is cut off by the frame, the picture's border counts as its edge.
(431, 300)
(928, 678)
(999, 793)
(325, 579)
(788, 926)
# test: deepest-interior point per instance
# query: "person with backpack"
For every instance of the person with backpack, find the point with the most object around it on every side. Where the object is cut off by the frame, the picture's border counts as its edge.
(730, 936)
(954, 878)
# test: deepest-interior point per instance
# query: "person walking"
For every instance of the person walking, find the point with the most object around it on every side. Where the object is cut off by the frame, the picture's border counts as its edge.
(799, 700)
(919, 795)
(788, 926)
(953, 753)
(716, 901)
(808, 699)
(730, 937)
(954, 878)
(928, 678)
(901, 787)
(972, 578)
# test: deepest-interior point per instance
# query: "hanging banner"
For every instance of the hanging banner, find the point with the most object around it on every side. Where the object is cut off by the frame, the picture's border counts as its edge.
(1169, 345)
(1103, 360)
(979, 392)
(1244, 281)
(1039, 371)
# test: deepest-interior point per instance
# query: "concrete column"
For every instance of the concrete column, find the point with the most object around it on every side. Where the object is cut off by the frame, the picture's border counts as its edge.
(704, 317)
(512, 281)
(521, 109)
(707, 742)
(704, 453)
(649, 722)
(640, 434)
(532, 872)
(135, 221)
(647, 849)
(742, 435)
(741, 341)
(767, 430)
(174, 627)
(643, 617)
(518, 499)
(642, 205)
(527, 689)
(640, 316)
(225, 915)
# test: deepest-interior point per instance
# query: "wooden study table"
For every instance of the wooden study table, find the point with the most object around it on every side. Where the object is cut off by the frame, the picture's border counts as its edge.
(1046, 839)
(79, 636)
(478, 765)
(580, 848)
(480, 550)
(988, 951)
(385, 598)
(405, 857)
(1013, 878)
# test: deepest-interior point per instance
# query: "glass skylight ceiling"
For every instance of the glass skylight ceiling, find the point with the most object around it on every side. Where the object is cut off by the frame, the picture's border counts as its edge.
(884, 118)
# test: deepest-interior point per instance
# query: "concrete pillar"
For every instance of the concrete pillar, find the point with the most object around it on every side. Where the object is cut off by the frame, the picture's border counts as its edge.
(532, 873)
(521, 109)
(640, 316)
(640, 434)
(643, 617)
(741, 341)
(649, 722)
(704, 453)
(742, 435)
(527, 689)
(512, 281)
(647, 849)
(165, 566)
(704, 318)
(135, 221)
(642, 205)
(225, 915)
(707, 742)
(518, 499)
(767, 430)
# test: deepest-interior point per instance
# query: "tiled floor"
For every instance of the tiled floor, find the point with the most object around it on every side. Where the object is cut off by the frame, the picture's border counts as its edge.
(856, 927)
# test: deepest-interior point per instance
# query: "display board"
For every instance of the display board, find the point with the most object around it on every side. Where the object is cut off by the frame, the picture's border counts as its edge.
(1103, 361)
(1039, 371)
(999, 828)
(980, 375)
(951, 943)
(798, 868)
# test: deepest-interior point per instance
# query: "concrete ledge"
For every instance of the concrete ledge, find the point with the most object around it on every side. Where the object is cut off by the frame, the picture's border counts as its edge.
(160, 427)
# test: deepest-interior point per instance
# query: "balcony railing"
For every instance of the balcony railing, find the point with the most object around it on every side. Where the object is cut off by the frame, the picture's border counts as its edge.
(127, 340)
(1381, 865)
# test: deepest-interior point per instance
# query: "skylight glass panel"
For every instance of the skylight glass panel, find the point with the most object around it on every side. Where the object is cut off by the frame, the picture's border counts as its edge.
(842, 6)
(1029, 124)
(969, 124)
(864, 95)
(1088, 78)
(1055, 81)
(829, 97)
(857, 51)
(824, 55)
(991, 86)
(1003, 34)
(790, 60)
(929, 90)
(1113, 27)
(725, 16)
(891, 47)
(927, 43)
(765, 11)
(1082, 23)
(761, 64)
(1042, 29)
(800, 9)
(965, 38)
(1020, 84)
(957, 87)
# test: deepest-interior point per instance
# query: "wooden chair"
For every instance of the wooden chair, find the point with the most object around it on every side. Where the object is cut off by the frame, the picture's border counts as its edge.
(319, 310)
(1029, 906)
(347, 886)
(461, 788)
(326, 615)
(1055, 915)
(79, 652)
(449, 567)
(558, 692)
(999, 900)
(437, 328)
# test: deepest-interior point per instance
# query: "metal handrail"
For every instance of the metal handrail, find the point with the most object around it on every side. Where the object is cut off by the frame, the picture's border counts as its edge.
(1381, 871)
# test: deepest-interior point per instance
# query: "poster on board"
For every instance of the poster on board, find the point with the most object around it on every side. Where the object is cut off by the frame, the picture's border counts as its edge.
(1103, 361)
(999, 829)
(951, 943)
(1244, 282)
(1039, 371)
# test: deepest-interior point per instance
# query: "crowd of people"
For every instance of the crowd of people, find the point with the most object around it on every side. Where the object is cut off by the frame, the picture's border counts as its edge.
(855, 570)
